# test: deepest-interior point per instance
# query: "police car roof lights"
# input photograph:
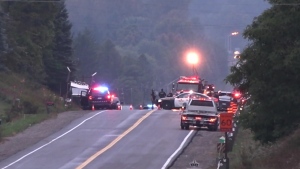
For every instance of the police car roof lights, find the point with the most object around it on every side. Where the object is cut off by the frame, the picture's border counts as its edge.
(101, 89)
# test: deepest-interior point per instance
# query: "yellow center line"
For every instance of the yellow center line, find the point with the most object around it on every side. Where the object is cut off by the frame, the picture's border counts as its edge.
(93, 157)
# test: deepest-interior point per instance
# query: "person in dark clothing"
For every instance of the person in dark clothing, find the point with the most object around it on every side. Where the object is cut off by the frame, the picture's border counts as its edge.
(162, 93)
(153, 97)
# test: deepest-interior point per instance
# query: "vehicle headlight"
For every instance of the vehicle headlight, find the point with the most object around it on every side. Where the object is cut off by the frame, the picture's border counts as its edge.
(159, 100)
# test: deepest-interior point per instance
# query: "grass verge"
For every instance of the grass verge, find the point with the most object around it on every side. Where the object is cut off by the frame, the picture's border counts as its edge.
(249, 154)
(24, 103)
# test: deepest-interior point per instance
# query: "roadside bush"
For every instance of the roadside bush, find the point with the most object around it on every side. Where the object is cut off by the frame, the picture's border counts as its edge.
(30, 108)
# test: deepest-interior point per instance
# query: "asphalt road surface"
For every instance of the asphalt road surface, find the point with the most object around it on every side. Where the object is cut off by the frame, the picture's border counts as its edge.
(108, 139)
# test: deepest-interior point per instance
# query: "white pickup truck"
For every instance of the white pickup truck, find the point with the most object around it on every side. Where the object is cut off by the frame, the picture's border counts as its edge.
(200, 112)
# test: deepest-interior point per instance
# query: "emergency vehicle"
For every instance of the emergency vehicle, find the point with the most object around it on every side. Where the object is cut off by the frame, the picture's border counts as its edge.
(97, 97)
(187, 84)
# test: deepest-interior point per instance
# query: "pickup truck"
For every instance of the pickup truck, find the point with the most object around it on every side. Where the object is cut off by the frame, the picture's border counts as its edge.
(200, 112)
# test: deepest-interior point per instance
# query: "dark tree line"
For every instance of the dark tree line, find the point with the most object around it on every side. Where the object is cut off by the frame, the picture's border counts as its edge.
(268, 71)
(36, 41)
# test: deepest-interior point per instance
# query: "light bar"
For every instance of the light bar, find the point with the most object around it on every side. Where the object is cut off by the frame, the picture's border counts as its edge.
(101, 89)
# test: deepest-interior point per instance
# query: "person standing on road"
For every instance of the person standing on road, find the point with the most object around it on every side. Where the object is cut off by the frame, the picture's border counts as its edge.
(153, 97)
(162, 93)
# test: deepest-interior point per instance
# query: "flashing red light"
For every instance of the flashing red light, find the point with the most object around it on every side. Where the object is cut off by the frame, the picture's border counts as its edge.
(90, 97)
(236, 95)
(108, 96)
(198, 118)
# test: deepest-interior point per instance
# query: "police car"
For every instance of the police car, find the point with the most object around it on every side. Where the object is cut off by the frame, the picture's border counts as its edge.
(200, 112)
(177, 102)
(96, 97)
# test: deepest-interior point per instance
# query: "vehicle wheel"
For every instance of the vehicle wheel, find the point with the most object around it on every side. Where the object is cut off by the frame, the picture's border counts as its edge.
(181, 126)
(166, 106)
(210, 128)
(187, 127)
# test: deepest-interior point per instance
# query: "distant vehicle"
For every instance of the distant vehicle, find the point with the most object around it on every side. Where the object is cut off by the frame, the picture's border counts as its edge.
(200, 112)
(96, 97)
(209, 90)
(116, 103)
(149, 106)
(188, 83)
(177, 102)
(225, 97)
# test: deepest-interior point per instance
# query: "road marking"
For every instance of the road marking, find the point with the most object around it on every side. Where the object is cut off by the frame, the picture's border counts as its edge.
(52, 140)
(94, 156)
(179, 148)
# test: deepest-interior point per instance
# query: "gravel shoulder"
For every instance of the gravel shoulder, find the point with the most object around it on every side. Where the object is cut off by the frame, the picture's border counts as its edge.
(202, 147)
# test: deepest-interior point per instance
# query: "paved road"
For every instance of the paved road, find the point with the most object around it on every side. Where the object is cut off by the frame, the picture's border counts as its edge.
(108, 139)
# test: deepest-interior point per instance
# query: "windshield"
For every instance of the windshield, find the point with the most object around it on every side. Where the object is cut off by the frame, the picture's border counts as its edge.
(201, 103)
(187, 86)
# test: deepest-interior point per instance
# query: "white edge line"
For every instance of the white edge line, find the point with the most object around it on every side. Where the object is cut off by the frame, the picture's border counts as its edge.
(51, 141)
(178, 149)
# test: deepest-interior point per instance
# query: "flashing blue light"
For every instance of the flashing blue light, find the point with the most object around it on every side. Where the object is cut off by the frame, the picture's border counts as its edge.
(101, 89)
(150, 105)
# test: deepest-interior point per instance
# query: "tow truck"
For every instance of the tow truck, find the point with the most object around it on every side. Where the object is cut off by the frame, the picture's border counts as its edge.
(187, 84)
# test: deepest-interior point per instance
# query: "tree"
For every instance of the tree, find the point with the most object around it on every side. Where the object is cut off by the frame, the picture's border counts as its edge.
(61, 57)
(3, 42)
(86, 52)
(30, 31)
(268, 71)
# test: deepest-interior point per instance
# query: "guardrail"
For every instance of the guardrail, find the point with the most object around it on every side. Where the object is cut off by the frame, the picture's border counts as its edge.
(226, 142)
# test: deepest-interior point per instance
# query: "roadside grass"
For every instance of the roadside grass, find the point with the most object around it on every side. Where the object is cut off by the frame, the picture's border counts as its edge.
(23, 103)
(18, 125)
(250, 154)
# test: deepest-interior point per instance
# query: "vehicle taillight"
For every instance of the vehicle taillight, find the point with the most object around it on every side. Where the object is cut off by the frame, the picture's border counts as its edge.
(112, 96)
(184, 117)
(237, 95)
(198, 118)
(108, 96)
(90, 97)
(212, 119)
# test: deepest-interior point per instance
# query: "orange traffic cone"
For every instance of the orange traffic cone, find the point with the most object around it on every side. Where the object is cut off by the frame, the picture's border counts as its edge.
(141, 107)
(93, 107)
(130, 107)
(158, 107)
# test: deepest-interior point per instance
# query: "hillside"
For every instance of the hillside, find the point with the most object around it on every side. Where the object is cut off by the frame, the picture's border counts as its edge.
(248, 154)
(24, 103)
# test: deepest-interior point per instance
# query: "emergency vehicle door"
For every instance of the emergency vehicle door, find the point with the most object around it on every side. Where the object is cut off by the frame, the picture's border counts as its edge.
(180, 99)
(83, 98)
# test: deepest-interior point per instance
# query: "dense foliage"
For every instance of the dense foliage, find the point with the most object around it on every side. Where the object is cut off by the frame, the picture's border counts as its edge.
(268, 71)
(38, 36)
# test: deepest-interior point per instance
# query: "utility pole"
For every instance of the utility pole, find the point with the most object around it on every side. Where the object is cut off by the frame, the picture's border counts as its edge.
(68, 81)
